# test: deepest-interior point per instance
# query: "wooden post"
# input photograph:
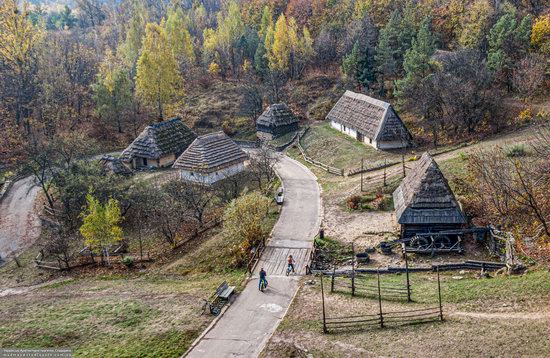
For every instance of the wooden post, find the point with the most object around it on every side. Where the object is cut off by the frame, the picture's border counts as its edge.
(439, 294)
(407, 272)
(332, 281)
(385, 166)
(323, 301)
(380, 300)
(403, 161)
(353, 270)
(362, 160)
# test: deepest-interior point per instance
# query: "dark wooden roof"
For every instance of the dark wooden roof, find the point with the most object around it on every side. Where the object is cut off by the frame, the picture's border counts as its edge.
(373, 118)
(114, 165)
(160, 139)
(276, 115)
(424, 197)
(210, 153)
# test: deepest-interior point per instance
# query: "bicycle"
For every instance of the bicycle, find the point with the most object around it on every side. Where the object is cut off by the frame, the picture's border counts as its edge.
(263, 285)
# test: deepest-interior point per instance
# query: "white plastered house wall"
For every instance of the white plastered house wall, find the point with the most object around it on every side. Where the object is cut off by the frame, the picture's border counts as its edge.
(211, 178)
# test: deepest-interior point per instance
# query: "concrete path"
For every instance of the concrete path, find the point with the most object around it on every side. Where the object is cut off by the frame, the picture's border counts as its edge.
(247, 325)
(19, 224)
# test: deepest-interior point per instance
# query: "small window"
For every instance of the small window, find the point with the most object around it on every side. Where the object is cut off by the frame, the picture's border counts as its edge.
(370, 140)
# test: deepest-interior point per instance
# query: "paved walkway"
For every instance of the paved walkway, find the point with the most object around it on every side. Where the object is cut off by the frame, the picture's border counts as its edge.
(247, 325)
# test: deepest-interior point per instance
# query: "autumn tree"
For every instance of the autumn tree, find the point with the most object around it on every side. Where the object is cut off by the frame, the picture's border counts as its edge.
(101, 225)
(179, 37)
(19, 42)
(244, 219)
(158, 80)
(113, 90)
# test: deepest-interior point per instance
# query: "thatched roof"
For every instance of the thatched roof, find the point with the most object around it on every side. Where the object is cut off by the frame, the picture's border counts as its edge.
(210, 153)
(159, 139)
(277, 115)
(114, 165)
(373, 118)
(424, 197)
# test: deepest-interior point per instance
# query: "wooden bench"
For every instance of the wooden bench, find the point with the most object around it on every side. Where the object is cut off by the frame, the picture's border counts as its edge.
(216, 302)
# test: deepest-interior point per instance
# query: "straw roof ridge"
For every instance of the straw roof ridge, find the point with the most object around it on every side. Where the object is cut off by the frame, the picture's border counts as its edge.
(209, 153)
(276, 115)
(424, 196)
(160, 139)
(374, 118)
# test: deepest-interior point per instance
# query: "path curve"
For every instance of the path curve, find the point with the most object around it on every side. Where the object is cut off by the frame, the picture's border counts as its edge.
(19, 224)
(251, 320)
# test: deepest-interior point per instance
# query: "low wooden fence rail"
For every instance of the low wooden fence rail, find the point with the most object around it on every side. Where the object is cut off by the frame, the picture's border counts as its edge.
(383, 318)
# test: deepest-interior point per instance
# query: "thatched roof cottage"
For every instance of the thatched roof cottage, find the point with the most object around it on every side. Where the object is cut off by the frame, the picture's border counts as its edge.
(158, 145)
(424, 202)
(370, 121)
(210, 158)
(276, 121)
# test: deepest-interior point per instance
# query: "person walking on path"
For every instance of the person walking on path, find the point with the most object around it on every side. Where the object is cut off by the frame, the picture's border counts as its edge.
(290, 267)
(263, 280)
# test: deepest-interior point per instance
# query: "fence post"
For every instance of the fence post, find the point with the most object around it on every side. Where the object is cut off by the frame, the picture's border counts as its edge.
(362, 160)
(407, 272)
(385, 166)
(380, 300)
(332, 281)
(439, 294)
(353, 270)
(323, 301)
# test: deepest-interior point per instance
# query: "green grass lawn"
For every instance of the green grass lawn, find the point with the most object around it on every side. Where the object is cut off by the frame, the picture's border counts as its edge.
(326, 144)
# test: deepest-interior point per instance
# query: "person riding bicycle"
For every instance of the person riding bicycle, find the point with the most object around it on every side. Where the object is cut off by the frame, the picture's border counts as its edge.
(291, 262)
(263, 276)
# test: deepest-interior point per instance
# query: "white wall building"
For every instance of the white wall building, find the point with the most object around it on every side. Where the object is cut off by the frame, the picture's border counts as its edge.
(370, 121)
(211, 158)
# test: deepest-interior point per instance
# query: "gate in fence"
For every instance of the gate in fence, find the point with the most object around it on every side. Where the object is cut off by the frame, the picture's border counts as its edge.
(382, 318)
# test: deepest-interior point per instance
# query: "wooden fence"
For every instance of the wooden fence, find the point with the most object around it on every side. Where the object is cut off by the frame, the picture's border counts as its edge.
(383, 318)
(308, 159)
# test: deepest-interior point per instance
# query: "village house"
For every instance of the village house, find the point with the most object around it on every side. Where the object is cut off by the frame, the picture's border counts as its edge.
(425, 203)
(158, 145)
(210, 158)
(277, 120)
(370, 121)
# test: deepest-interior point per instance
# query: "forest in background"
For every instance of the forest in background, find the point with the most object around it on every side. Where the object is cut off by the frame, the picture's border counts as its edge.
(107, 68)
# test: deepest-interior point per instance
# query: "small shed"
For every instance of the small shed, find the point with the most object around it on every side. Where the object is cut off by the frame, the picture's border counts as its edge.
(158, 145)
(276, 121)
(370, 121)
(425, 203)
(113, 165)
(210, 158)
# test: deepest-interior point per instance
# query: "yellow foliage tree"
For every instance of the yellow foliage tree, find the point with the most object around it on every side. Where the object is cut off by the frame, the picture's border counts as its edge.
(540, 35)
(19, 39)
(474, 23)
(213, 68)
(279, 53)
(158, 79)
(101, 224)
(244, 218)
(179, 37)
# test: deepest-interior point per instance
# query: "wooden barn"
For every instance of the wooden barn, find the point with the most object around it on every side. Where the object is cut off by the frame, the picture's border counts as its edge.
(370, 121)
(158, 145)
(210, 158)
(425, 203)
(276, 121)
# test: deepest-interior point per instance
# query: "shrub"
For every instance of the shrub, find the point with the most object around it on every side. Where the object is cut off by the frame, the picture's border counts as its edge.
(353, 202)
(367, 207)
(517, 150)
(128, 261)
(386, 204)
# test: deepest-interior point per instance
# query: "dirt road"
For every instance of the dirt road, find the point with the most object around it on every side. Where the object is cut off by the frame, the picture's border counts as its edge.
(19, 224)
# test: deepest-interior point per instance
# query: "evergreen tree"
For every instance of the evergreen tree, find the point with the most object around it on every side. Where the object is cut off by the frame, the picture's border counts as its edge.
(387, 51)
(366, 74)
(350, 63)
